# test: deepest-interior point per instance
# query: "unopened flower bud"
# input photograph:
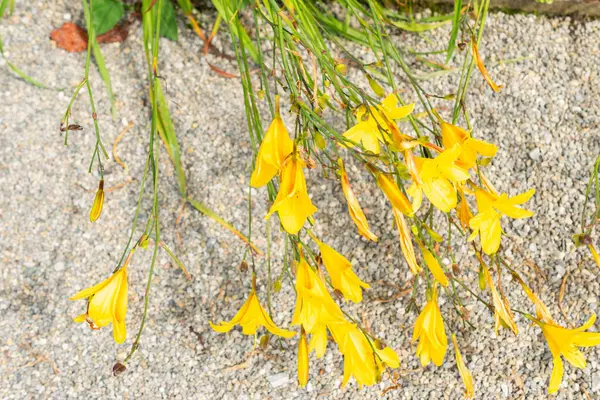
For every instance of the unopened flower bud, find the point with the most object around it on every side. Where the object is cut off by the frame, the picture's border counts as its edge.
(98, 202)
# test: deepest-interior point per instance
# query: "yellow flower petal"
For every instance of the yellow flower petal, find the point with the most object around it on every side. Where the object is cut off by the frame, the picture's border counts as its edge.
(434, 266)
(302, 360)
(406, 242)
(464, 372)
(274, 149)
(394, 194)
(356, 212)
(98, 202)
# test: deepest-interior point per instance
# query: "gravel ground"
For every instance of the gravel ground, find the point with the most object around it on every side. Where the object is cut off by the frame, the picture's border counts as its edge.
(546, 122)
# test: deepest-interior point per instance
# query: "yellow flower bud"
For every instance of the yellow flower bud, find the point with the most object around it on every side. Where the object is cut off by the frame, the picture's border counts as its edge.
(98, 202)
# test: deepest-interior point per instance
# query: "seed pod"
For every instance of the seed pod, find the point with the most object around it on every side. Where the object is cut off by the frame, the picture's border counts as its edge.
(98, 202)
(243, 267)
(118, 369)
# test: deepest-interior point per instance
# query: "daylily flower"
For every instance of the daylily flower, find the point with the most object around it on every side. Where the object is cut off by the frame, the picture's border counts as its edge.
(250, 317)
(491, 207)
(503, 316)
(395, 196)
(314, 305)
(565, 342)
(356, 213)
(318, 340)
(464, 372)
(107, 303)
(438, 179)
(434, 266)
(302, 360)
(98, 202)
(429, 330)
(482, 68)
(406, 243)
(470, 147)
(292, 202)
(274, 149)
(369, 126)
(340, 270)
(363, 360)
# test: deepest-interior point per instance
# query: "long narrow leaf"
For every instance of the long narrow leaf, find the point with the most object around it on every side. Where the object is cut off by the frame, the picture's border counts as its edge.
(455, 29)
(211, 214)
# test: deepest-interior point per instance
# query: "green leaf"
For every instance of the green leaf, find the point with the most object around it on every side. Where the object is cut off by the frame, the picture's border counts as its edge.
(168, 23)
(106, 14)
(186, 6)
(455, 27)
(105, 75)
(416, 27)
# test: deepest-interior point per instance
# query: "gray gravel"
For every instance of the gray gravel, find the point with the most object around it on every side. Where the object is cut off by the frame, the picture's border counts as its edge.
(546, 122)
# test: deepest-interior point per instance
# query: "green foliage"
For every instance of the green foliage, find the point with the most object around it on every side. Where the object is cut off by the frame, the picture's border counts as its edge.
(106, 14)
(168, 22)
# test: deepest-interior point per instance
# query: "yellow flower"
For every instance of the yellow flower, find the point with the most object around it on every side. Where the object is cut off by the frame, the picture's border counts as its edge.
(314, 305)
(364, 360)
(491, 207)
(565, 342)
(393, 193)
(274, 149)
(406, 242)
(595, 254)
(302, 360)
(292, 202)
(369, 126)
(465, 374)
(482, 68)
(340, 270)
(434, 266)
(470, 148)
(438, 177)
(356, 213)
(503, 316)
(429, 330)
(107, 303)
(98, 202)
(250, 317)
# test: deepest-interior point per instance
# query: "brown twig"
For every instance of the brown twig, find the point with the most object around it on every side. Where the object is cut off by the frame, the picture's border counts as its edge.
(117, 140)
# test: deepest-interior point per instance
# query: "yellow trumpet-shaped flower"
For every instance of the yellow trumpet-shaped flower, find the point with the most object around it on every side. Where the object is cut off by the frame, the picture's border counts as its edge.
(250, 317)
(340, 270)
(503, 316)
(314, 306)
(364, 360)
(464, 372)
(302, 360)
(274, 149)
(393, 193)
(430, 331)
(470, 147)
(434, 266)
(406, 243)
(565, 342)
(371, 124)
(98, 202)
(107, 303)
(356, 213)
(491, 207)
(292, 202)
(438, 179)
